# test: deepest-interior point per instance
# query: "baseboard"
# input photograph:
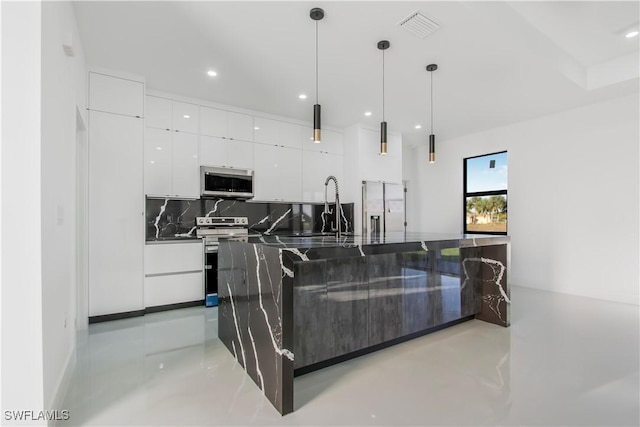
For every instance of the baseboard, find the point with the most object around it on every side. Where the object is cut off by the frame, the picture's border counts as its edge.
(138, 313)
(115, 316)
(62, 388)
(166, 307)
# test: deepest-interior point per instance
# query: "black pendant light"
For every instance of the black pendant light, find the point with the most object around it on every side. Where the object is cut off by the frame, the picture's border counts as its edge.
(383, 45)
(316, 14)
(432, 138)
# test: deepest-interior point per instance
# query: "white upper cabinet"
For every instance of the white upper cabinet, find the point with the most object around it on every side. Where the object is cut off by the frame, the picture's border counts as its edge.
(226, 124)
(331, 141)
(213, 122)
(240, 154)
(171, 165)
(290, 135)
(159, 113)
(157, 161)
(266, 131)
(278, 173)
(185, 117)
(226, 153)
(239, 126)
(274, 132)
(185, 171)
(166, 114)
(116, 95)
(213, 151)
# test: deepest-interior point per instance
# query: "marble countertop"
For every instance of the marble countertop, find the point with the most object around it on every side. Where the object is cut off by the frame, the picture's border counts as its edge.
(322, 241)
(160, 240)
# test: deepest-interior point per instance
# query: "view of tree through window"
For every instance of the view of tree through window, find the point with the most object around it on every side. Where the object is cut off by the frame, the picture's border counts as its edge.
(485, 194)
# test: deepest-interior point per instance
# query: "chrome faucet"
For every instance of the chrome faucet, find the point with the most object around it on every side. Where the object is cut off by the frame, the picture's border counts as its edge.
(326, 204)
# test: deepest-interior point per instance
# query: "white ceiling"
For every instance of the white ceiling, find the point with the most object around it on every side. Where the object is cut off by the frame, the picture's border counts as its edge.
(499, 62)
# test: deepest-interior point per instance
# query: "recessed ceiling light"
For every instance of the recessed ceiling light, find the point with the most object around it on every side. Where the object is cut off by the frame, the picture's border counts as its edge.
(186, 116)
(211, 73)
(158, 148)
(418, 126)
(256, 128)
(631, 34)
(367, 113)
(151, 161)
(302, 96)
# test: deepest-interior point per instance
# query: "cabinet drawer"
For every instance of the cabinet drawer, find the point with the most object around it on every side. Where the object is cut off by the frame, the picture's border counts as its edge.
(173, 258)
(173, 289)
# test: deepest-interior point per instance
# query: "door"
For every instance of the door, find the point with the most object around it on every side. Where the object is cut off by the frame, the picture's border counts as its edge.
(393, 207)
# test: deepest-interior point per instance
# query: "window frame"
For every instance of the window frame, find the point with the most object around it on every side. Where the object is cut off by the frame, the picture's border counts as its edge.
(466, 195)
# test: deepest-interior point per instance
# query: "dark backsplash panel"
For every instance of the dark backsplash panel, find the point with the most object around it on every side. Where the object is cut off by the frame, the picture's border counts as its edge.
(169, 219)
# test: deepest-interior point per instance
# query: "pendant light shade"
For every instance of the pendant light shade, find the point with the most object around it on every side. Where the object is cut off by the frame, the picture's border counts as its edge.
(432, 138)
(383, 45)
(316, 14)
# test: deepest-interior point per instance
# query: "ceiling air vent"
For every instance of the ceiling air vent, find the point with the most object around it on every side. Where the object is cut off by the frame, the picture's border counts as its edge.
(419, 25)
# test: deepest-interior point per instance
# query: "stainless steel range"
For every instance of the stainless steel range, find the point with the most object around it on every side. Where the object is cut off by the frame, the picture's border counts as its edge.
(211, 229)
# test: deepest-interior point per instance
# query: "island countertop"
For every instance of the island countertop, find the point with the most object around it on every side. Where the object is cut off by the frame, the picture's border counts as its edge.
(355, 241)
(290, 304)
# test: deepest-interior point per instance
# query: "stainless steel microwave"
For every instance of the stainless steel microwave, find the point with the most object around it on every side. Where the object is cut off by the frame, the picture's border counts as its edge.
(227, 183)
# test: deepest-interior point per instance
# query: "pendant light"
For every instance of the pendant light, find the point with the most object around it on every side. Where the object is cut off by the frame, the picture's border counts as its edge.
(432, 138)
(316, 14)
(383, 45)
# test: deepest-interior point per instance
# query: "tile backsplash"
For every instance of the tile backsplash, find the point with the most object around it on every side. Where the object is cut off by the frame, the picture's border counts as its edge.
(169, 219)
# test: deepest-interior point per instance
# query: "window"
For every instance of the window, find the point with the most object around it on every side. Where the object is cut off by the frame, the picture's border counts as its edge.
(485, 194)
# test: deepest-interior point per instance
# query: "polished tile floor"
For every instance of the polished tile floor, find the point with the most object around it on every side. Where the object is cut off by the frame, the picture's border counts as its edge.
(566, 360)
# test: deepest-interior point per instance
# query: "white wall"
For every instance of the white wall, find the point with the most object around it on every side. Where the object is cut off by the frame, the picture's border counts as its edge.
(22, 354)
(573, 197)
(63, 93)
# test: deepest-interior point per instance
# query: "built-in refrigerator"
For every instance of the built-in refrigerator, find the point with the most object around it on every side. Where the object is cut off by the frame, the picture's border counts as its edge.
(383, 207)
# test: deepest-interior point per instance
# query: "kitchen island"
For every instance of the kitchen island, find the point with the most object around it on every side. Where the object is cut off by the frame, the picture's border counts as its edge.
(293, 304)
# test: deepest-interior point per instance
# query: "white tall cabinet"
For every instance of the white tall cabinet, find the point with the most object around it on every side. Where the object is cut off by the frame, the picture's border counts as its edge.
(116, 208)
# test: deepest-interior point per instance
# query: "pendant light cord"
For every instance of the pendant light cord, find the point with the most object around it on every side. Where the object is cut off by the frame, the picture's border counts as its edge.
(383, 85)
(431, 103)
(317, 62)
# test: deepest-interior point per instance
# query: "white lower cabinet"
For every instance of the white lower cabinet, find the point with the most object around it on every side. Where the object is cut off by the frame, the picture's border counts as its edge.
(278, 173)
(173, 289)
(173, 273)
(116, 207)
(316, 167)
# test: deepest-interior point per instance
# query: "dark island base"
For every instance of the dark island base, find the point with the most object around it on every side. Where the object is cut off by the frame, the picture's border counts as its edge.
(339, 359)
(288, 307)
